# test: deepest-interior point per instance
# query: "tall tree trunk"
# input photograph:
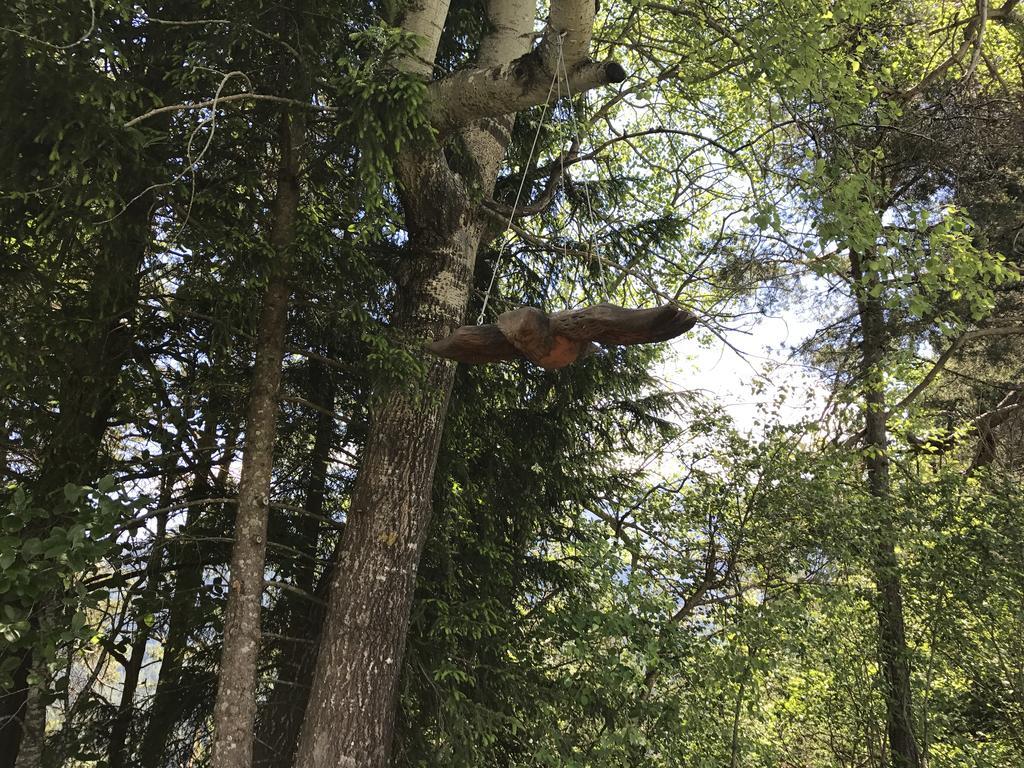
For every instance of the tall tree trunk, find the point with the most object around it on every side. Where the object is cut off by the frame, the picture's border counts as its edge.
(93, 359)
(308, 526)
(350, 719)
(5, 436)
(893, 653)
(170, 697)
(12, 710)
(235, 709)
(33, 741)
(280, 717)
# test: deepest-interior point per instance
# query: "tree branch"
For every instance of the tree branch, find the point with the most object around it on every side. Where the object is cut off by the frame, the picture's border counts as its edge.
(936, 369)
(424, 19)
(502, 87)
(472, 94)
(546, 195)
(945, 356)
(973, 34)
(986, 425)
(221, 100)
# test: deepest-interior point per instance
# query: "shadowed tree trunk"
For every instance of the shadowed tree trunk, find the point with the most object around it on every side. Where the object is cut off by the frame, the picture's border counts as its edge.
(171, 696)
(351, 714)
(5, 436)
(91, 364)
(12, 705)
(235, 708)
(280, 716)
(33, 741)
(893, 654)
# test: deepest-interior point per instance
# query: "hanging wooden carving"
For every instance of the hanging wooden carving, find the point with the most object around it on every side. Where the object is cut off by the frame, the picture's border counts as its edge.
(557, 340)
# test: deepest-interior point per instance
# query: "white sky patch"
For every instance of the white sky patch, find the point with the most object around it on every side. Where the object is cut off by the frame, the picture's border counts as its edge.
(761, 383)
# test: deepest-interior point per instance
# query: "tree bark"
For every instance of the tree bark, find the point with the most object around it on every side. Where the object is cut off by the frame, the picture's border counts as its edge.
(350, 718)
(33, 737)
(893, 653)
(235, 709)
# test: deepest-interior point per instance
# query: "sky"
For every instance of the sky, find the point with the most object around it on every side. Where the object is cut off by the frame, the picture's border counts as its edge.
(729, 378)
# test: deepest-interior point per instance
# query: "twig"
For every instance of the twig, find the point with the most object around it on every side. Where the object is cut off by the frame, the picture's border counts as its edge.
(79, 41)
(221, 100)
(976, 55)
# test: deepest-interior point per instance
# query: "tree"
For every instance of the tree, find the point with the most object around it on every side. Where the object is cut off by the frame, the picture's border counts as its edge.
(350, 719)
(865, 177)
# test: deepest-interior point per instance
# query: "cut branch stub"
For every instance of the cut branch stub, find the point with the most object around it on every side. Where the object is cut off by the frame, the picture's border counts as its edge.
(560, 339)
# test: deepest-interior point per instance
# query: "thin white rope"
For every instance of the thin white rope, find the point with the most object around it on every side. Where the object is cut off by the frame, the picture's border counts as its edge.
(519, 193)
(561, 157)
(594, 247)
